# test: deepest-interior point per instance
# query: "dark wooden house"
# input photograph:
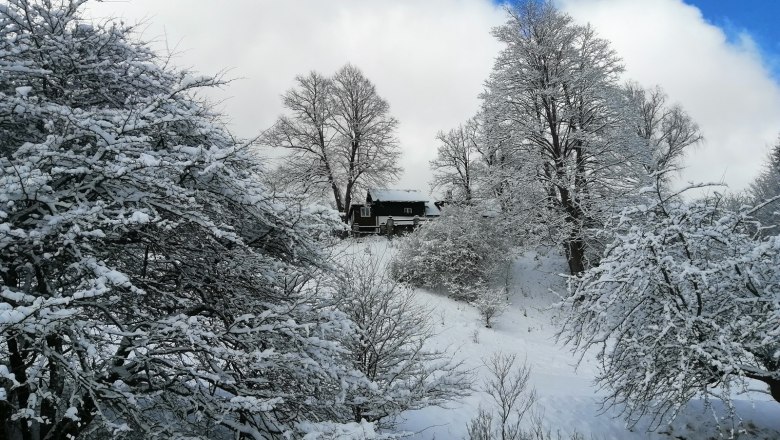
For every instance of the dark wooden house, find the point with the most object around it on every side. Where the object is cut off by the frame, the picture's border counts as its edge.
(406, 208)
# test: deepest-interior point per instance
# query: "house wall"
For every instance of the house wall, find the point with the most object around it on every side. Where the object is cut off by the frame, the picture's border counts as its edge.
(396, 209)
(363, 221)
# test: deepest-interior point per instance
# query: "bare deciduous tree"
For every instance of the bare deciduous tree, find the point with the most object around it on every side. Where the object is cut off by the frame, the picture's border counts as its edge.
(308, 133)
(339, 133)
(368, 150)
(453, 168)
(667, 129)
(507, 385)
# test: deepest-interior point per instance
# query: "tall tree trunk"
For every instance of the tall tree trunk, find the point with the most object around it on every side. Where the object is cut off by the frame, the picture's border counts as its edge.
(67, 429)
(50, 404)
(774, 388)
(577, 200)
(19, 370)
(354, 147)
(575, 254)
(772, 382)
(340, 207)
(348, 198)
(575, 243)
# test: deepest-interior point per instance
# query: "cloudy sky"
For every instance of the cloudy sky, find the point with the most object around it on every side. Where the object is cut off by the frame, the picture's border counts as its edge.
(429, 59)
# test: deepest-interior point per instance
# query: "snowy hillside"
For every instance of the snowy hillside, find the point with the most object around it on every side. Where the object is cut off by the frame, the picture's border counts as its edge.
(568, 401)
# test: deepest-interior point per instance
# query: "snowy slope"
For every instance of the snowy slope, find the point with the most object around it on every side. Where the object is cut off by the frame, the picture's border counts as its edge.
(568, 401)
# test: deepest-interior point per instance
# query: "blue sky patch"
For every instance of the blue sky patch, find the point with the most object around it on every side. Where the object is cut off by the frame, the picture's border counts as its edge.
(757, 18)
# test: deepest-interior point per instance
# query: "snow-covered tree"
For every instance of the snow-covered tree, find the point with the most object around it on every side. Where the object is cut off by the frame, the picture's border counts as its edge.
(391, 345)
(765, 187)
(150, 287)
(555, 88)
(504, 176)
(477, 165)
(340, 135)
(456, 252)
(685, 302)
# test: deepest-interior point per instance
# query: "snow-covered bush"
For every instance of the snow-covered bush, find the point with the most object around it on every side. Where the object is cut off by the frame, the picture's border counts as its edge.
(150, 287)
(460, 249)
(686, 302)
(489, 303)
(343, 431)
(391, 345)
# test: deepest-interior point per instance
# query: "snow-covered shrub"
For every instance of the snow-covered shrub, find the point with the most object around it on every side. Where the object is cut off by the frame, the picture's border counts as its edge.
(460, 249)
(685, 303)
(343, 431)
(150, 287)
(489, 303)
(390, 345)
(512, 398)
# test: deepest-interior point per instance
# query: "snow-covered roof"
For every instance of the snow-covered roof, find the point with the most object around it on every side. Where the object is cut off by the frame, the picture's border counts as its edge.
(431, 209)
(397, 195)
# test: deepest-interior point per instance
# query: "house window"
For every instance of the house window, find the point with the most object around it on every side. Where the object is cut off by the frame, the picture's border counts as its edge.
(407, 210)
(365, 211)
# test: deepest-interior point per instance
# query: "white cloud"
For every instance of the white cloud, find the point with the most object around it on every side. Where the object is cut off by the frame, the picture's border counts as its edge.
(429, 59)
(725, 87)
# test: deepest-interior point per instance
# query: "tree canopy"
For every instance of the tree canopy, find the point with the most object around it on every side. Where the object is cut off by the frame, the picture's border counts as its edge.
(150, 285)
(339, 134)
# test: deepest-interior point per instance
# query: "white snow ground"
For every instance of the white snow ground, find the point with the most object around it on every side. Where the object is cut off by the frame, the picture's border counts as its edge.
(568, 400)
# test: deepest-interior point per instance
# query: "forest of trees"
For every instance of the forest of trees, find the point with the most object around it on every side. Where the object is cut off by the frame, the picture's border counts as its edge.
(686, 289)
(158, 280)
